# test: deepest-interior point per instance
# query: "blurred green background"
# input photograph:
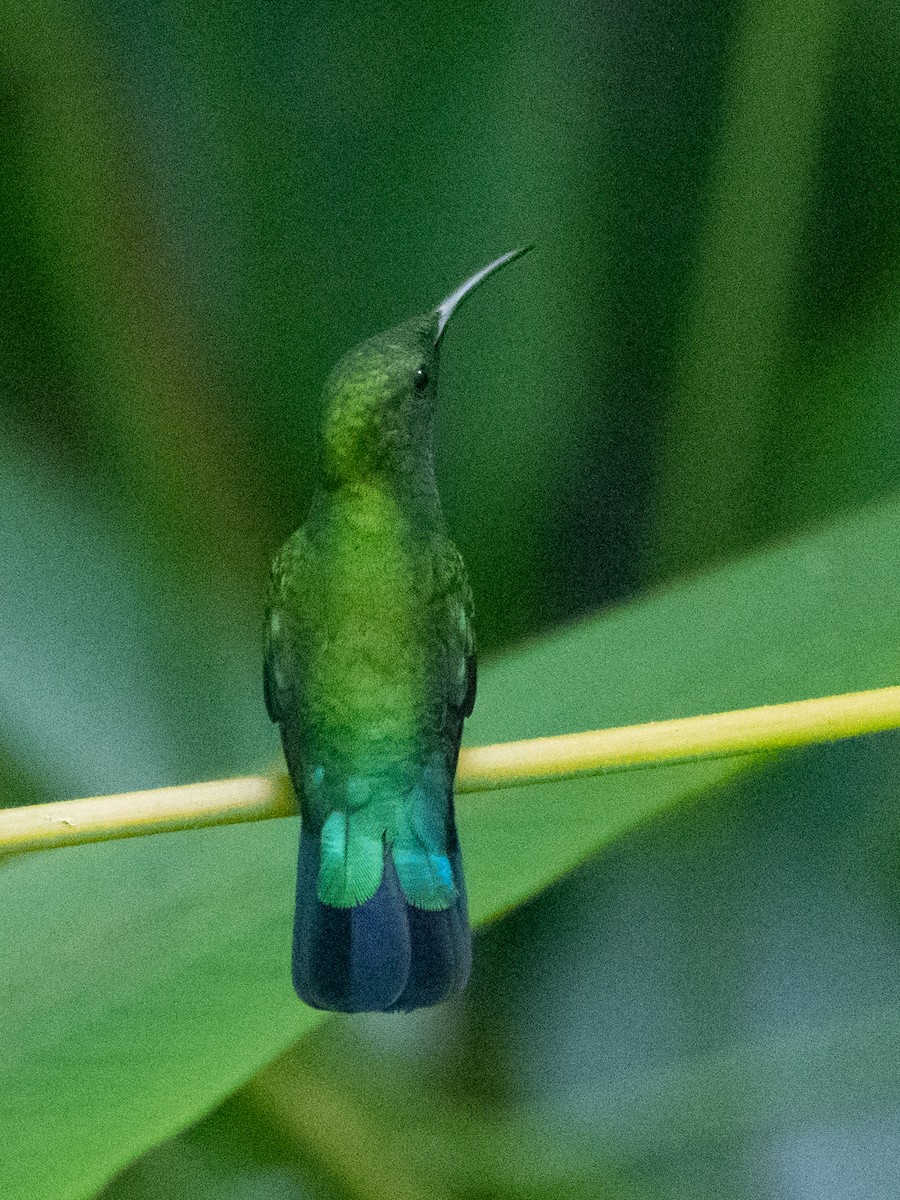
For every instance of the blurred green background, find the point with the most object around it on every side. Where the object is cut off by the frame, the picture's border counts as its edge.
(202, 207)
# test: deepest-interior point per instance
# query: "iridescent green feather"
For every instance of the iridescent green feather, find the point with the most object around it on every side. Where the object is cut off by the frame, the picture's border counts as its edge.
(369, 673)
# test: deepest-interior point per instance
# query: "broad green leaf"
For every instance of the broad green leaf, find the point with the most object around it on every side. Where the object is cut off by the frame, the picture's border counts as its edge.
(110, 677)
(145, 979)
(73, 655)
(820, 1072)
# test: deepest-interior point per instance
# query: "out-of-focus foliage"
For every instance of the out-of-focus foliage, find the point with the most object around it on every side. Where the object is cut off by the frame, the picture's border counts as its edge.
(173, 988)
(201, 207)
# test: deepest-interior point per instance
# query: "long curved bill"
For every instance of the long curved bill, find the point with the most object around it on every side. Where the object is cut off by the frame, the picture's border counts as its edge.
(448, 307)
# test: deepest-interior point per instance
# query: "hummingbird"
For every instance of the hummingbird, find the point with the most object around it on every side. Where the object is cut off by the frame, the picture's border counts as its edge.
(369, 673)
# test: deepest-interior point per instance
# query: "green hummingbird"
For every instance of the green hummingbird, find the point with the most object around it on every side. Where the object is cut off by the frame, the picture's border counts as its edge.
(369, 673)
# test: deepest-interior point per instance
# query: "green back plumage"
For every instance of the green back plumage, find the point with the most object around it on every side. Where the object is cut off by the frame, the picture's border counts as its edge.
(369, 673)
(370, 652)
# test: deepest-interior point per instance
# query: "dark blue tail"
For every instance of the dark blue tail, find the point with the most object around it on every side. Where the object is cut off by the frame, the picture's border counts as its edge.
(381, 956)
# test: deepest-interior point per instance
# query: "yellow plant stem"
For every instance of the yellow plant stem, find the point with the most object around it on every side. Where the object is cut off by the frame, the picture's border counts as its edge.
(481, 768)
(687, 739)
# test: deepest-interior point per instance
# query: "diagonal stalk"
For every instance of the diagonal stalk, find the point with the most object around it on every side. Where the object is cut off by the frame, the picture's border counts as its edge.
(481, 768)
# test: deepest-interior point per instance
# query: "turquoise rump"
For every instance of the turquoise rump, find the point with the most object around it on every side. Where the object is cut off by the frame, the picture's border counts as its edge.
(369, 673)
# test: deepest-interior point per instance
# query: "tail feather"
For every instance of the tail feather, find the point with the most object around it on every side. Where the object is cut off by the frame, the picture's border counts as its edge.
(348, 959)
(440, 950)
(383, 955)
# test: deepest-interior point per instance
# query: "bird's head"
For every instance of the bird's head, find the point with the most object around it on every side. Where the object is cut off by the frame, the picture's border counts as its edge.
(379, 399)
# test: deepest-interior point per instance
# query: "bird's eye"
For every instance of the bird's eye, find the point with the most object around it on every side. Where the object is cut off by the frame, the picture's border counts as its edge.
(421, 380)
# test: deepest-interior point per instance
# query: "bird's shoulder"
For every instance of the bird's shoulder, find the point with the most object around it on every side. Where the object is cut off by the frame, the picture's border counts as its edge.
(452, 599)
(291, 566)
(291, 578)
(450, 580)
